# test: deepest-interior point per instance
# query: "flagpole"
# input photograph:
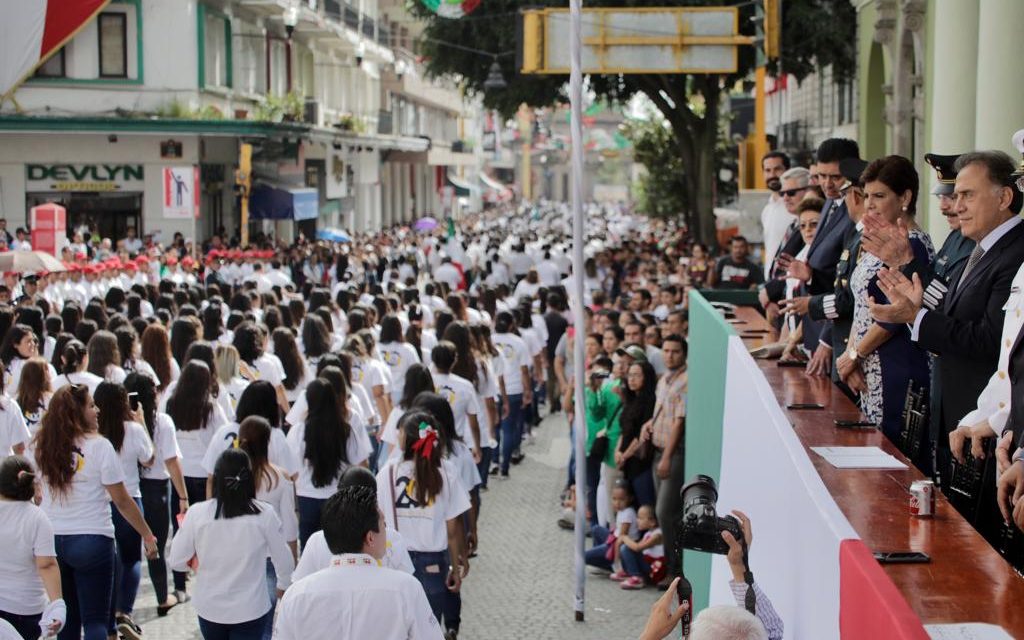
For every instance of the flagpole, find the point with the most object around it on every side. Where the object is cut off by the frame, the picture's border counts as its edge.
(579, 419)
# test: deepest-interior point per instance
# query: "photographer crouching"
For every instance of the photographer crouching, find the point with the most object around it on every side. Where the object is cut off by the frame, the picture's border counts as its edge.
(700, 529)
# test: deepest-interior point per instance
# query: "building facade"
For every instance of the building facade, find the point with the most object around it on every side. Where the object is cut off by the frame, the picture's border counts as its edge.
(151, 84)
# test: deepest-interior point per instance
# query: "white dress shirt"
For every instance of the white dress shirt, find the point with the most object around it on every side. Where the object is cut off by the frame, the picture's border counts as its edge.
(355, 599)
(231, 581)
(775, 220)
(316, 556)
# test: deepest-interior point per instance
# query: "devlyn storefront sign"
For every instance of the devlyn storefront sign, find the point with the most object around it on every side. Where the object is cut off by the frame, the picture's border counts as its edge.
(83, 177)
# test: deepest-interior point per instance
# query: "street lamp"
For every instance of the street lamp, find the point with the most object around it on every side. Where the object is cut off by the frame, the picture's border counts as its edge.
(495, 79)
(291, 17)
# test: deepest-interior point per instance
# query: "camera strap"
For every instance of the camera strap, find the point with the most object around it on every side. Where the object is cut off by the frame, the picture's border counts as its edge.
(750, 599)
(684, 591)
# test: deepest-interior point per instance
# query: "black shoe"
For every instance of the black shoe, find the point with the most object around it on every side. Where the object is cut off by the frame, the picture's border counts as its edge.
(517, 457)
(494, 470)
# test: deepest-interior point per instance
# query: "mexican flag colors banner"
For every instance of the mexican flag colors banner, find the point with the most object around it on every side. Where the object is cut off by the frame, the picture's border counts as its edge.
(821, 578)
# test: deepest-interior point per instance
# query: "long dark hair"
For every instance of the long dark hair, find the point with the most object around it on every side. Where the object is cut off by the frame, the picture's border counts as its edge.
(103, 353)
(33, 385)
(112, 401)
(254, 439)
(638, 407)
(190, 404)
(212, 321)
(183, 334)
(259, 399)
(9, 351)
(417, 380)
(17, 479)
(61, 426)
(156, 351)
(315, 339)
(249, 342)
(326, 433)
(202, 351)
(144, 390)
(286, 349)
(465, 359)
(427, 469)
(391, 329)
(234, 487)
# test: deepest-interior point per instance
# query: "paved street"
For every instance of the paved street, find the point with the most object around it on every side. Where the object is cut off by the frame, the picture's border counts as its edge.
(521, 584)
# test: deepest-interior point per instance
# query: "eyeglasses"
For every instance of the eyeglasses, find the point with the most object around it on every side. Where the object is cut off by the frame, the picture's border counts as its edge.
(811, 224)
(789, 193)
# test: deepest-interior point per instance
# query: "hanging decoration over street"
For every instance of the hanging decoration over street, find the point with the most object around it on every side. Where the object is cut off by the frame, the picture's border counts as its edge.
(453, 9)
(33, 31)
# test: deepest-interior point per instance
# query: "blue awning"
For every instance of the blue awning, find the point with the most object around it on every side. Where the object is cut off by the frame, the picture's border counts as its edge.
(270, 203)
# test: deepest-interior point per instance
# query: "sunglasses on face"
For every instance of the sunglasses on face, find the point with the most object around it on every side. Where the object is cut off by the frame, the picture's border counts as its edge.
(789, 193)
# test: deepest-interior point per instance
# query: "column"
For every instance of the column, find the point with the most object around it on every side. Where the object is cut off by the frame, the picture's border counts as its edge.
(999, 109)
(951, 73)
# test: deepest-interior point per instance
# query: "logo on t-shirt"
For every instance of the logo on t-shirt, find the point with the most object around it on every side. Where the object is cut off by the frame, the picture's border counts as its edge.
(77, 459)
(448, 393)
(392, 358)
(405, 499)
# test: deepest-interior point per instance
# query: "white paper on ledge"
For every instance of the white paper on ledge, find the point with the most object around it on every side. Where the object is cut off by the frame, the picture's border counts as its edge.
(969, 631)
(858, 458)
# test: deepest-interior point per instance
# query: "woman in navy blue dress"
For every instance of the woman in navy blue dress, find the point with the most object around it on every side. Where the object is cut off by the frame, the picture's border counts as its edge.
(882, 361)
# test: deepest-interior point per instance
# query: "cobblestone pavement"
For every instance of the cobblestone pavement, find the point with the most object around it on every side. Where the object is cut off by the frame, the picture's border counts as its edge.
(521, 584)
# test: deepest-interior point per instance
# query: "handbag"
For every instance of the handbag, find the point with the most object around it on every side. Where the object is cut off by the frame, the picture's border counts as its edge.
(599, 448)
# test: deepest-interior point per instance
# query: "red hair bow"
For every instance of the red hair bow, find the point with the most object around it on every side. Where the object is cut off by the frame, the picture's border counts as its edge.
(427, 440)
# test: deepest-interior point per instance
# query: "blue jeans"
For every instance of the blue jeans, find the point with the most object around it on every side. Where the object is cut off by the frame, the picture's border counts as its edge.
(511, 432)
(309, 517)
(485, 463)
(634, 563)
(156, 508)
(431, 569)
(128, 569)
(593, 479)
(87, 579)
(251, 630)
(26, 626)
(272, 592)
(595, 555)
(643, 489)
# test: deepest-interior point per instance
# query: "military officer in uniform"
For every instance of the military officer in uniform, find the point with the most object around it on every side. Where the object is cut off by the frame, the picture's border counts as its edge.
(837, 307)
(953, 255)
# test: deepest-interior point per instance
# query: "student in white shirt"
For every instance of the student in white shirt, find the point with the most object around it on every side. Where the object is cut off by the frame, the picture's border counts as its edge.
(134, 449)
(274, 487)
(196, 418)
(260, 400)
(397, 354)
(31, 599)
(423, 499)
(14, 434)
(20, 344)
(327, 443)
(230, 537)
(81, 476)
(249, 341)
(156, 351)
(317, 555)
(229, 379)
(104, 357)
(155, 481)
(296, 374)
(76, 359)
(516, 359)
(355, 597)
(418, 379)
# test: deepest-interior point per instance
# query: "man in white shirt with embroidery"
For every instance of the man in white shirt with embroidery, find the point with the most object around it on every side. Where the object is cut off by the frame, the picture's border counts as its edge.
(355, 597)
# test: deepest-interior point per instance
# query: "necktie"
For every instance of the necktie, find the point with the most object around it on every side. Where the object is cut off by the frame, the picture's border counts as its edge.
(976, 256)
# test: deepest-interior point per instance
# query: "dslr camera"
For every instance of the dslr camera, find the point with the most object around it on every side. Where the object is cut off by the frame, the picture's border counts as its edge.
(699, 527)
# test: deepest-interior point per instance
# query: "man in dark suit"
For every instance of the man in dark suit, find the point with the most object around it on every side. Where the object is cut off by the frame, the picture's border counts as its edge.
(819, 272)
(965, 332)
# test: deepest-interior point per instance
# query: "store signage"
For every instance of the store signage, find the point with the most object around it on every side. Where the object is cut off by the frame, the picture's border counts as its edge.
(84, 177)
(181, 192)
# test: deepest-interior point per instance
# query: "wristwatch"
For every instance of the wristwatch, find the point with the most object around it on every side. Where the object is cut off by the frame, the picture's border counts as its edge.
(853, 355)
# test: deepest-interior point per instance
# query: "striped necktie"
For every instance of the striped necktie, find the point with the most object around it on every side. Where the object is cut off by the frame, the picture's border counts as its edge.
(976, 256)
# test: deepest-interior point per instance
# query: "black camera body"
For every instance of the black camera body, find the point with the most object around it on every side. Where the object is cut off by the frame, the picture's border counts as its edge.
(700, 528)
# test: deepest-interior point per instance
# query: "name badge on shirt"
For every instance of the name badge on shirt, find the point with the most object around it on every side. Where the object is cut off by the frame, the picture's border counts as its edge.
(845, 255)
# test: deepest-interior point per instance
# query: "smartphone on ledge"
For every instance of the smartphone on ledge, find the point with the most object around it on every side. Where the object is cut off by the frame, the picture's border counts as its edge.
(855, 424)
(901, 557)
(805, 405)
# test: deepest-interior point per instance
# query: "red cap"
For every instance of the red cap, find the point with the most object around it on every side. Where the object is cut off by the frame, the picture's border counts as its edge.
(235, 254)
(171, 261)
(142, 259)
(131, 266)
(80, 256)
(187, 261)
(249, 253)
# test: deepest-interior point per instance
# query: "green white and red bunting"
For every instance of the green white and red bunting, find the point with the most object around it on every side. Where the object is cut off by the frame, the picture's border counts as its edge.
(821, 578)
(33, 30)
(453, 9)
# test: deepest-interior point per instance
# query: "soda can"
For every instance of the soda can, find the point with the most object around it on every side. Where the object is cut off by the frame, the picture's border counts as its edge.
(922, 498)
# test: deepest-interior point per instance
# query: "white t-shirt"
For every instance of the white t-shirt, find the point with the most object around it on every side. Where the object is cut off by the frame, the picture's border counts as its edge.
(193, 444)
(13, 430)
(230, 393)
(231, 582)
(398, 356)
(487, 383)
(462, 397)
(278, 451)
(357, 449)
(135, 450)
(281, 496)
(165, 447)
(269, 368)
(627, 516)
(423, 527)
(514, 354)
(316, 555)
(366, 374)
(90, 380)
(27, 534)
(85, 508)
(12, 376)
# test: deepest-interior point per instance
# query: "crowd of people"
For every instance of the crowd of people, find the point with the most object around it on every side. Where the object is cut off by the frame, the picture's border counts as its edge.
(268, 426)
(859, 292)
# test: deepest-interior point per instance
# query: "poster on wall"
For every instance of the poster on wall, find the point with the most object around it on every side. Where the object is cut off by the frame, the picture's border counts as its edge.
(181, 192)
(334, 185)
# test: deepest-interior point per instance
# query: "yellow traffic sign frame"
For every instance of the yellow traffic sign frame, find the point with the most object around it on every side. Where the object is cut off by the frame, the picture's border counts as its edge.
(538, 21)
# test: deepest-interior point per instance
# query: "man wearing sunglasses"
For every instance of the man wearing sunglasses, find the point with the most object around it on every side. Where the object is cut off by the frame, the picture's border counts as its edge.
(795, 184)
